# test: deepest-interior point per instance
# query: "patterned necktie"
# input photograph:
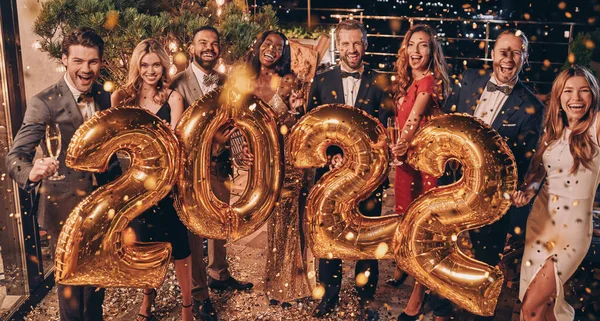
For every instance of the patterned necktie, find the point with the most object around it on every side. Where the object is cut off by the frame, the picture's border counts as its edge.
(355, 74)
(210, 80)
(491, 87)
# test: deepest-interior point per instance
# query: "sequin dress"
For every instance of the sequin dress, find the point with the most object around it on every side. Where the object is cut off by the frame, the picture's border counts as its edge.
(287, 254)
(559, 227)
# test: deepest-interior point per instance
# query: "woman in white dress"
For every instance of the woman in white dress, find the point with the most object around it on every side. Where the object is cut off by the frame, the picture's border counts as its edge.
(559, 228)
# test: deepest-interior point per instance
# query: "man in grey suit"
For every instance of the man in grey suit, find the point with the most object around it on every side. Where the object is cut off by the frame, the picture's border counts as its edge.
(199, 79)
(68, 103)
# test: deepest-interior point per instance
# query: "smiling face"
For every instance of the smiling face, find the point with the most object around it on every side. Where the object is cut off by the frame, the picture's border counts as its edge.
(419, 51)
(508, 56)
(205, 48)
(271, 50)
(576, 98)
(83, 66)
(352, 48)
(151, 69)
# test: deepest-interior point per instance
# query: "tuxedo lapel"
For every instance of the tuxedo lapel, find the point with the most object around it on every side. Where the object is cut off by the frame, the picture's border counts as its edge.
(366, 82)
(338, 86)
(474, 94)
(511, 104)
(67, 100)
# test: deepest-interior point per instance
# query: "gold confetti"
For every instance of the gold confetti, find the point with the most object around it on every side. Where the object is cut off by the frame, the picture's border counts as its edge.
(562, 5)
(381, 250)
(318, 292)
(361, 280)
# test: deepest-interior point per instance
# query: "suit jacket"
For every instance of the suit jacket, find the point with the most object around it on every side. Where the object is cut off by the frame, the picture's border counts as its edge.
(56, 199)
(187, 85)
(519, 121)
(327, 88)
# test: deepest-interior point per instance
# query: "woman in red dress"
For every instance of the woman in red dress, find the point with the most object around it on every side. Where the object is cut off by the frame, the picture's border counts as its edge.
(422, 83)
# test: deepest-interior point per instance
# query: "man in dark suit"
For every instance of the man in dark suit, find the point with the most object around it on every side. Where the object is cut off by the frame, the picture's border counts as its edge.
(68, 103)
(197, 80)
(351, 83)
(502, 101)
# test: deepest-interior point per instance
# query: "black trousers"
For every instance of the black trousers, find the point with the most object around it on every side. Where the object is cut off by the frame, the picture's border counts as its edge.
(80, 303)
(330, 271)
(488, 246)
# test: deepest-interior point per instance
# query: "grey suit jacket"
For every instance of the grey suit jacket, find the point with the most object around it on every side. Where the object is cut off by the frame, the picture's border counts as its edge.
(56, 199)
(187, 85)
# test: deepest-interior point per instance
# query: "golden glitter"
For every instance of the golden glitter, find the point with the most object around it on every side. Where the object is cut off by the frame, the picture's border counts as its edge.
(350, 236)
(318, 292)
(109, 86)
(361, 279)
(517, 230)
(381, 250)
(562, 5)
(283, 130)
(111, 213)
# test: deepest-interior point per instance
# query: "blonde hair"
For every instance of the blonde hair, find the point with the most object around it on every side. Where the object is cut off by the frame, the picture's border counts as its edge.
(581, 144)
(437, 63)
(133, 85)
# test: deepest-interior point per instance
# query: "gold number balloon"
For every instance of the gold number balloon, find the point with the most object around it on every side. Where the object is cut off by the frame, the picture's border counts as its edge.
(425, 244)
(91, 249)
(335, 226)
(199, 209)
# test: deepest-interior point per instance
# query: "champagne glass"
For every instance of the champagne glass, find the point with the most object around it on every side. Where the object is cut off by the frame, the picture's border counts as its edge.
(53, 143)
(393, 135)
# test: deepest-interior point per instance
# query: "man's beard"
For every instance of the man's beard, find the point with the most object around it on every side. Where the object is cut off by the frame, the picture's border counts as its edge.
(347, 61)
(208, 65)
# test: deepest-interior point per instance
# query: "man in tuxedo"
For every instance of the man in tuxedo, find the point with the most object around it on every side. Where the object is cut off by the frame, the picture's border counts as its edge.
(351, 83)
(68, 103)
(199, 79)
(502, 101)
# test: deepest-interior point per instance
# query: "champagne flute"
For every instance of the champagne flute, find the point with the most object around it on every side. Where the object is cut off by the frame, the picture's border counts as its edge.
(393, 135)
(53, 143)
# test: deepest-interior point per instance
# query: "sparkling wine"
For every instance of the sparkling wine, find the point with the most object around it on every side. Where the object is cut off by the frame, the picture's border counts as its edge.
(393, 134)
(53, 144)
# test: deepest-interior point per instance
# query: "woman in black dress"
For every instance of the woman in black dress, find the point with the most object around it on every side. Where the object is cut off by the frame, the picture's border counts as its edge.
(148, 86)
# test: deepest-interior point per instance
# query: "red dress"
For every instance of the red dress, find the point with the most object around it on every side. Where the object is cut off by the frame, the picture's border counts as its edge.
(411, 183)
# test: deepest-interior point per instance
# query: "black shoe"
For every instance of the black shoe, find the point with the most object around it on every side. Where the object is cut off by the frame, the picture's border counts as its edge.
(204, 310)
(229, 284)
(397, 283)
(370, 314)
(405, 317)
(326, 306)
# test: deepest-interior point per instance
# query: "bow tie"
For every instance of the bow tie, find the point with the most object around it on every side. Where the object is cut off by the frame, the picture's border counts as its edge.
(355, 74)
(491, 87)
(85, 97)
(209, 80)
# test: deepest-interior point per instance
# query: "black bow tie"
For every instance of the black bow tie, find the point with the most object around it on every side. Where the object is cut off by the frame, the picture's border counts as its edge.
(355, 74)
(85, 97)
(491, 87)
(209, 80)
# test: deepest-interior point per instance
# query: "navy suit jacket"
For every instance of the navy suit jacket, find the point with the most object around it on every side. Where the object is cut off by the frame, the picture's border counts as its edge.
(519, 122)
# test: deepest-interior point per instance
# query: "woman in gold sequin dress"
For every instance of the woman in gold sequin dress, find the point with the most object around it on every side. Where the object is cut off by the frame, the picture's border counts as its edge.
(287, 267)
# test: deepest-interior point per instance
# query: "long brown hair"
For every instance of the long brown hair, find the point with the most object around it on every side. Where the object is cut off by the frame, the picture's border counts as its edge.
(581, 144)
(133, 86)
(437, 63)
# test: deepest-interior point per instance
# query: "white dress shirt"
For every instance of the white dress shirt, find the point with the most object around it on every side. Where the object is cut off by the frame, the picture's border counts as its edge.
(86, 108)
(490, 103)
(351, 86)
(200, 78)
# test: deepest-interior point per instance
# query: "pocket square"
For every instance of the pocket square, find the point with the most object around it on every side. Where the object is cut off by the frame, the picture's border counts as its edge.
(509, 125)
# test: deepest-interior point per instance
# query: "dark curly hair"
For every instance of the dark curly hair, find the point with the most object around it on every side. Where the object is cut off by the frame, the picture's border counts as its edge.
(282, 66)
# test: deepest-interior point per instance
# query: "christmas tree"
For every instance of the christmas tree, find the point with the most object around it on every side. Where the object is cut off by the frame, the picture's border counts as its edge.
(124, 23)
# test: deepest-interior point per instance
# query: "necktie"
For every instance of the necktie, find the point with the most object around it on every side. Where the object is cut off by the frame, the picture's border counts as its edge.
(355, 74)
(209, 80)
(491, 87)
